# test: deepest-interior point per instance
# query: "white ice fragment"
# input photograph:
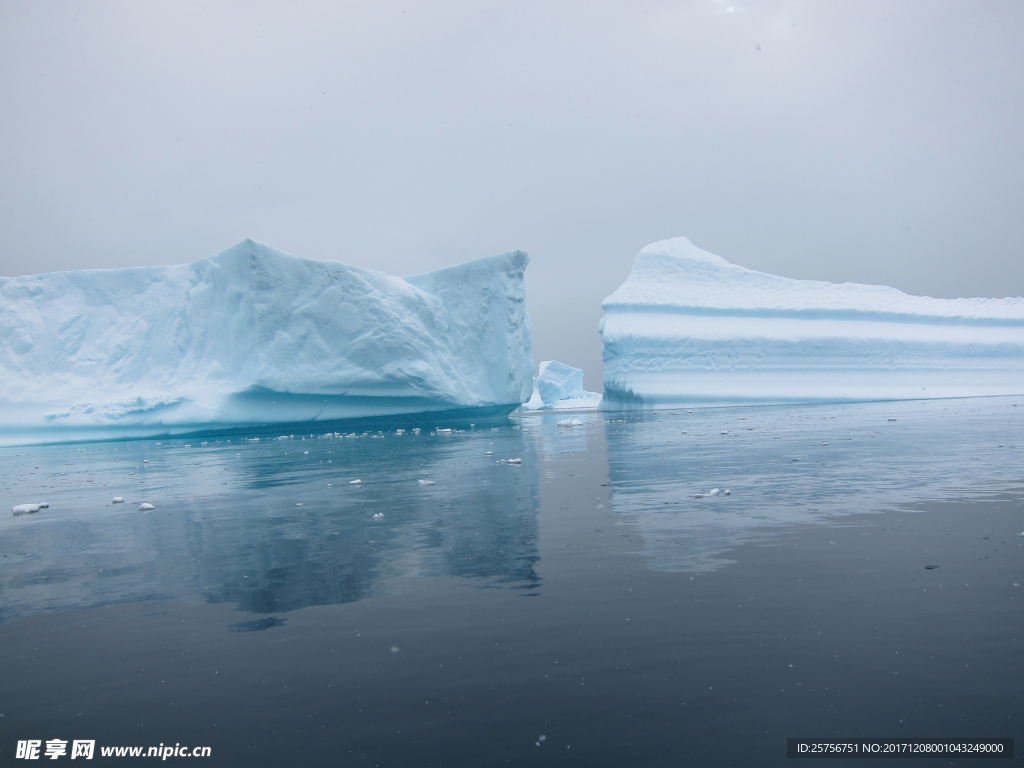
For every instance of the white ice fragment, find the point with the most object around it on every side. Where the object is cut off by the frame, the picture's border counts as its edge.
(355, 482)
(426, 482)
(515, 461)
(577, 422)
(24, 509)
(727, 492)
(300, 504)
(379, 516)
(714, 492)
(117, 500)
(489, 453)
(565, 423)
(145, 507)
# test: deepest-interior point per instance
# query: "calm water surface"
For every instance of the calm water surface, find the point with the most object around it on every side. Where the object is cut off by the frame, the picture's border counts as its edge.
(593, 605)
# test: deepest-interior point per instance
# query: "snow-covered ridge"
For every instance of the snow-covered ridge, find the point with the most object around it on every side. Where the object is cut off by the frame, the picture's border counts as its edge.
(676, 275)
(689, 327)
(256, 336)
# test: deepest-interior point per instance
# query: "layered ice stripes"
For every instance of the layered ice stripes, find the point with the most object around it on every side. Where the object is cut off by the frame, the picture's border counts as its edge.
(688, 328)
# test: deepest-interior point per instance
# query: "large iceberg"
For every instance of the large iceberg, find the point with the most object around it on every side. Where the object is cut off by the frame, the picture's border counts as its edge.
(254, 336)
(560, 387)
(688, 328)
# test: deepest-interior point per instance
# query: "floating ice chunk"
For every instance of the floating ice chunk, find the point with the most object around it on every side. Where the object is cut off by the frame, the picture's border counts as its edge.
(44, 505)
(577, 422)
(145, 507)
(117, 500)
(489, 453)
(379, 516)
(714, 492)
(426, 482)
(300, 504)
(727, 492)
(24, 509)
(688, 326)
(305, 453)
(355, 482)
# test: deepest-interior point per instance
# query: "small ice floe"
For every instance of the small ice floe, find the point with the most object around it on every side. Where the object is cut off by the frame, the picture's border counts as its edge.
(515, 461)
(714, 492)
(145, 461)
(399, 431)
(426, 482)
(24, 509)
(44, 505)
(489, 453)
(565, 423)
(146, 507)
(727, 492)
(305, 453)
(379, 516)
(726, 432)
(443, 431)
(117, 500)
(328, 485)
(357, 481)
(300, 504)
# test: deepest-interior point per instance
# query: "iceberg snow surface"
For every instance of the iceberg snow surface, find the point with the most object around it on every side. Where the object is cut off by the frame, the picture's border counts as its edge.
(254, 336)
(688, 328)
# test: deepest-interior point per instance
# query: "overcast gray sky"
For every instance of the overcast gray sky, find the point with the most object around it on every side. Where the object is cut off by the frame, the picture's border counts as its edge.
(878, 142)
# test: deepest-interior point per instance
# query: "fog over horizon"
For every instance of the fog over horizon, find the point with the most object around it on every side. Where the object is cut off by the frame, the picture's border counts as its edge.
(869, 142)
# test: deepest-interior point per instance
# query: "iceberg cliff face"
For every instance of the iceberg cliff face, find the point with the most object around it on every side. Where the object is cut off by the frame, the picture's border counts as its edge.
(255, 336)
(688, 327)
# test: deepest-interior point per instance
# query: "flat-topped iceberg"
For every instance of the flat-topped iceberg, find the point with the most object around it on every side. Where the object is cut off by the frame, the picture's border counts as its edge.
(559, 387)
(254, 336)
(687, 328)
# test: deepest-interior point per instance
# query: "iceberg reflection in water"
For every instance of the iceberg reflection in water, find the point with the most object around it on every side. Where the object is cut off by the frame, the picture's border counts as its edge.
(272, 525)
(787, 465)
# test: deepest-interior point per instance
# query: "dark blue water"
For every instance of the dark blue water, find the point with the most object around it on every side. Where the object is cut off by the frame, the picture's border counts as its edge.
(859, 580)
